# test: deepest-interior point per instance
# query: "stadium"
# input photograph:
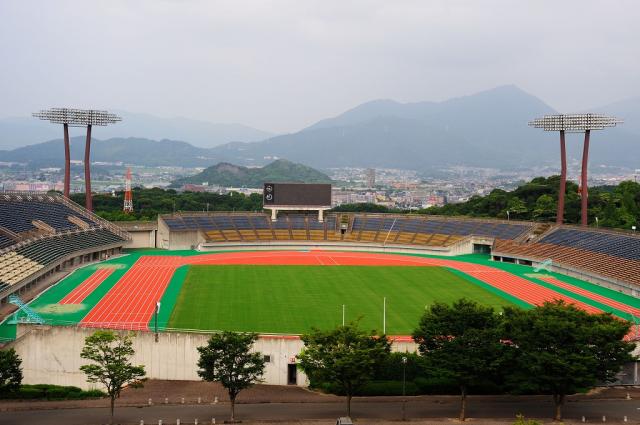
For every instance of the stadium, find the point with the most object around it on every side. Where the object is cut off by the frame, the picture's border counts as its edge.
(279, 274)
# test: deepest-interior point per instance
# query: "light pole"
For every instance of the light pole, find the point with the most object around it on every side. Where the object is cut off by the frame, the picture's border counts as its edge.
(156, 319)
(384, 316)
(343, 315)
(404, 381)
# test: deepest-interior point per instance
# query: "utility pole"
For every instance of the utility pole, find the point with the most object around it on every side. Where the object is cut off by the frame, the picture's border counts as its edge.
(128, 197)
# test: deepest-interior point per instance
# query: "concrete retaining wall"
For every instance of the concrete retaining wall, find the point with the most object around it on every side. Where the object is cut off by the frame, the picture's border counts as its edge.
(457, 249)
(142, 238)
(51, 355)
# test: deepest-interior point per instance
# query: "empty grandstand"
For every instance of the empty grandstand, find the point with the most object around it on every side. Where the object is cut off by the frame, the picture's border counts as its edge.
(608, 257)
(42, 234)
(188, 230)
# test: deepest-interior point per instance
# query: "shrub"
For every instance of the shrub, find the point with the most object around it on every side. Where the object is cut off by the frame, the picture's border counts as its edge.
(387, 388)
(51, 392)
(391, 368)
(520, 420)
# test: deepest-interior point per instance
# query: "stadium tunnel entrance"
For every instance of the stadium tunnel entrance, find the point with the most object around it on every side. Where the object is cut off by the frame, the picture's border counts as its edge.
(479, 248)
(292, 374)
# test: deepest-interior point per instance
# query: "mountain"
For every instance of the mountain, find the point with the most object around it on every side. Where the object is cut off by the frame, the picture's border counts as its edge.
(628, 110)
(21, 131)
(487, 129)
(129, 150)
(281, 170)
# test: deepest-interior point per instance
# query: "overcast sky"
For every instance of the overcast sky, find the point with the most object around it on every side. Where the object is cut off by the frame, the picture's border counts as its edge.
(282, 65)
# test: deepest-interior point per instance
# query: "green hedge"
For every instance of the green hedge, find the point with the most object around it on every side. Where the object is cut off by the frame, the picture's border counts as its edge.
(51, 392)
(419, 386)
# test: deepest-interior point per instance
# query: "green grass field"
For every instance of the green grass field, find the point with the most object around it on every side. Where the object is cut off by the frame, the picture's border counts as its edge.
(292, 299)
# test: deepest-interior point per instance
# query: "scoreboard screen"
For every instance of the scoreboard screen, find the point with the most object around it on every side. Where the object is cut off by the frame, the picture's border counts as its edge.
(297, 194)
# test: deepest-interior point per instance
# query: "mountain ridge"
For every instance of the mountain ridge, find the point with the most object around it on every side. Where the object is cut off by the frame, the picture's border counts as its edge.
(486, 129)
(18, 132)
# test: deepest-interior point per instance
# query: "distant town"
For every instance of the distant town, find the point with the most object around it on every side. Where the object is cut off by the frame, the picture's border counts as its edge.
(392, 188)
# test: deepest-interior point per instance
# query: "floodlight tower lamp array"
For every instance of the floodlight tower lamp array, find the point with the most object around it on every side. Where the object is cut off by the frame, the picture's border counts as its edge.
(77, 117)
(575, 123)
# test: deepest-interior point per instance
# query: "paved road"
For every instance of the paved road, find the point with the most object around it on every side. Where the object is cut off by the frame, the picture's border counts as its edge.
(614, 410)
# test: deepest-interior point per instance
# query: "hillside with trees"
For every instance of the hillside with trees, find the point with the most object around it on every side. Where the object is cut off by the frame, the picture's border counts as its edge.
(229, 175)
(148, 203)
(614, 206)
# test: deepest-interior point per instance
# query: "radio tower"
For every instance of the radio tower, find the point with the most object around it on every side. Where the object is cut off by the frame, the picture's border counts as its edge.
(128, 199)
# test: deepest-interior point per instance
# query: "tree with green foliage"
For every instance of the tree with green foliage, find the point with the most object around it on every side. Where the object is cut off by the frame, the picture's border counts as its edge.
(345, 356)
(110, 353)
(516, 207)
(615, 206)
(461, 343)
(149, 203)
(10, 371)
(227, 359)
(545, 207)
(559, 349)
(365, 207)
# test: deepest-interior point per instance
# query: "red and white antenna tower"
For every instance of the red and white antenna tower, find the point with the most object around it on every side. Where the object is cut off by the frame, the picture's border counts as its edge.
(128, 198)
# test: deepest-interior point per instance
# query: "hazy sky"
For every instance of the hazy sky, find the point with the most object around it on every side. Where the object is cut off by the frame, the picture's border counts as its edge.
(282, 65)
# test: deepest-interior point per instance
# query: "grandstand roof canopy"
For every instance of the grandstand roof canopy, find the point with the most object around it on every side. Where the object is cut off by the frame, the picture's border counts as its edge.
(77, 117)
(574, 123)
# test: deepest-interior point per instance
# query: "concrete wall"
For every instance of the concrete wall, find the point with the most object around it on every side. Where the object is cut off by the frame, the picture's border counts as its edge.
(142, 239)
(51, 355)
(465, 247)
(177, 240)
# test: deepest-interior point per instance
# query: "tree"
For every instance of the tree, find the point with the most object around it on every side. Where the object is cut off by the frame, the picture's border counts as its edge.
(516, 206)
(460, 343)
(10, 371)
(227, 359)
(110, 353)
(345, 356)
(545, 207)
(560, 348)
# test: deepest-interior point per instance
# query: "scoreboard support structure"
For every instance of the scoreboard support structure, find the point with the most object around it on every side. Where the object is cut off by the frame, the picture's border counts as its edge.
(296, 197)
(275, 209)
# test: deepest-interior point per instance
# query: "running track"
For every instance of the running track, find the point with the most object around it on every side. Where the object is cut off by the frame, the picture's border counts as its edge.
(131, 302)
(88, 286)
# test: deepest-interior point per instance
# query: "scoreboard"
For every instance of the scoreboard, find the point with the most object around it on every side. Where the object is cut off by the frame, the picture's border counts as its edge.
(297, 195)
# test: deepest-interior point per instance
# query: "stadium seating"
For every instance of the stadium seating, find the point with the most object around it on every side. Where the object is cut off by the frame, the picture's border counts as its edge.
(369, 228)
(608, 254)
(19, 211)
(6, 241)
(40, 231)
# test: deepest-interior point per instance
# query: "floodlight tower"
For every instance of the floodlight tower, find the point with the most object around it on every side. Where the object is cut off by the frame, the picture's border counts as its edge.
(77, 118)
(574, 123)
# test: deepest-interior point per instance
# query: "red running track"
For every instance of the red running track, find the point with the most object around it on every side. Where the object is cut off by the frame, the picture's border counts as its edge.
(131, 302)
(88, 286)
(596, 297)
